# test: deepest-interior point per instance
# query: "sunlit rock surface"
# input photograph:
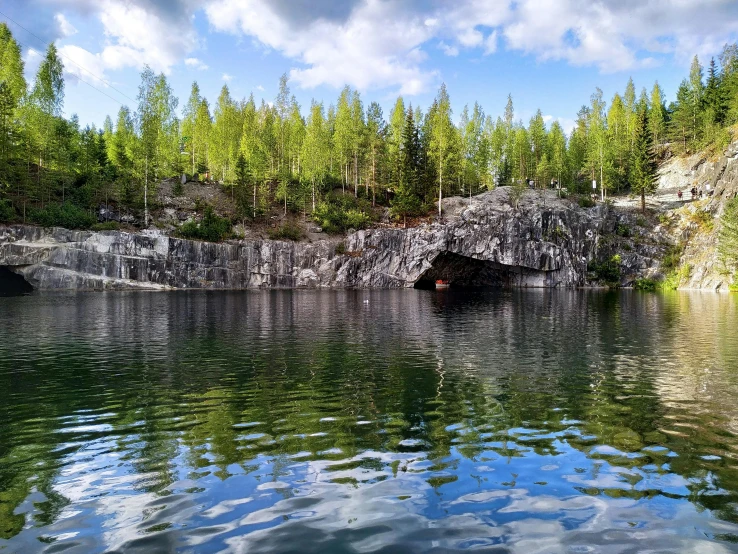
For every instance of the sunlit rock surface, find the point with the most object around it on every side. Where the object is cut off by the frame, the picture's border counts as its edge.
(543, 242)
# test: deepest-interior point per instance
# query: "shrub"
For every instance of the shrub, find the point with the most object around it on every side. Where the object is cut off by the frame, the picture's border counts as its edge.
(65, 215)
(645, 284)
(107, 226)
(622, 230)
(703, 219)
(341, 248)
(288, 231)
(609, 271)
(212, 228)
(585, 202)
(641, 221)
(676, 277)
(340, 212)
(7, 213)
(671, 258)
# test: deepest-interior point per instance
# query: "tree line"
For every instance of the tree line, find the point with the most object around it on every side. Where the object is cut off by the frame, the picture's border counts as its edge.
(275, 154)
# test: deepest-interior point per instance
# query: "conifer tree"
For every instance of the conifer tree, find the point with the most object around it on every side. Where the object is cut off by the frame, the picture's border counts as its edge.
(643, 167)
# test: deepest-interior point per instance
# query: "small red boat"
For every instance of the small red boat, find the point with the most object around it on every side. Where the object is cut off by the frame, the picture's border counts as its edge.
(442, 284)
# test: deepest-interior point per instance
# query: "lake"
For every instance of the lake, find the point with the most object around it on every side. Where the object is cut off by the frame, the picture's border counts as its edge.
(369, 421)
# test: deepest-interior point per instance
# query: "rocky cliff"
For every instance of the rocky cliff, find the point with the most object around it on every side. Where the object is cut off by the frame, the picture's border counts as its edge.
(542, 242)
(694, 225)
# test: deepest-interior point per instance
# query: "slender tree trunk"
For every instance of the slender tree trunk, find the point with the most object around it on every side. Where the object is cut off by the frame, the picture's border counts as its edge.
(440, 187)
(146, 193)
(643, 200)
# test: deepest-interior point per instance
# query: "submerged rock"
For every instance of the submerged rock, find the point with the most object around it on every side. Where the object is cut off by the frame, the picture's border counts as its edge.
(545, 242)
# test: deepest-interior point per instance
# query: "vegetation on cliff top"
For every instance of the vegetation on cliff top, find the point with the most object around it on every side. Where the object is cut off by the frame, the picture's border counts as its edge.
(273, 157)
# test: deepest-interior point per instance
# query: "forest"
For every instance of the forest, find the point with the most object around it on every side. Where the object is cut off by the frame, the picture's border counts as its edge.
(337, 164)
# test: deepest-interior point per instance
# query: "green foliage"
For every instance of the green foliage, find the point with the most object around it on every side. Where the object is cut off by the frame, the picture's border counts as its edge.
(65, 215)
(212, 228)
(341, 248)
(106, 226)
(734, 285)
(728, 236)
(607, 272)
(676, 277)
(645, 285)
(703, 219)
(585, 201)
(672, 258)
(341, 212)
(288, 231)
(7, 213)
(622, 230)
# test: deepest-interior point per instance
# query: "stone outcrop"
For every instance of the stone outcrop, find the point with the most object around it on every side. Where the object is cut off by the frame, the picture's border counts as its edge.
(696, 225)
(544, 242)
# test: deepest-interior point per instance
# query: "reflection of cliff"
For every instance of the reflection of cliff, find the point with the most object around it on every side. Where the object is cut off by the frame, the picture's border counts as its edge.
(353, 388)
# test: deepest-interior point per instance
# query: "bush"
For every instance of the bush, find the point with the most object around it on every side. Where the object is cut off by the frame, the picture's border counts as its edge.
(676, 277)
(65, 215)
(107, 226)
(609, 271)
(703, 219)
(671, 258)
(645, 284)
(288, 231)
(341, 212)
(585, 202)
(340, 248)
(7, 213)
(212, 228)
(622, 230)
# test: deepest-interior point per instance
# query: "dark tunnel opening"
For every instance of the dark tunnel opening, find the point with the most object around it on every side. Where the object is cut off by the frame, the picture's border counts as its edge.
(12, 284)
(465, 272)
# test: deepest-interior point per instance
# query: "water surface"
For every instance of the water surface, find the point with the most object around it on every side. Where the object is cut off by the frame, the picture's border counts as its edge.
(382, 421)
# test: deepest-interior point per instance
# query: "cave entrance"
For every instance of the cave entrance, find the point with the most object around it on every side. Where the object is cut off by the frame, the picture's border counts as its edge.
(12, 284)
(465, 272)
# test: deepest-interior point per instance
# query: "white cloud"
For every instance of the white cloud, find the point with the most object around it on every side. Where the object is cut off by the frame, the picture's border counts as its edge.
(196, 63)
(65, 27)
(80, 63)
(136, 32)
(260, 88)
(227, 78)
(448, 50)
(379, 43)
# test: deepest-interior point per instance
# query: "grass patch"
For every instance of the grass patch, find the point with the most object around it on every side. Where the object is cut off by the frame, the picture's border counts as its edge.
(107, 226)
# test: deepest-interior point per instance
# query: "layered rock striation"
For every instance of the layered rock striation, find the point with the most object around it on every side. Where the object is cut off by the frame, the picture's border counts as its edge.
(543, 242)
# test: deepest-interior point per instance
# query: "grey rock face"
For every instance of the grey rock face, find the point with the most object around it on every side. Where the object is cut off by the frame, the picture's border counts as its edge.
(546, 242)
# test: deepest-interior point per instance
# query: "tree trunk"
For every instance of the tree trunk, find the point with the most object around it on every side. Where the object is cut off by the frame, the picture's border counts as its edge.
(643, 200)
(146, 193)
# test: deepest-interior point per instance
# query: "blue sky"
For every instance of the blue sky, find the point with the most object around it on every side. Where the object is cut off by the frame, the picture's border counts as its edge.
(549, 54)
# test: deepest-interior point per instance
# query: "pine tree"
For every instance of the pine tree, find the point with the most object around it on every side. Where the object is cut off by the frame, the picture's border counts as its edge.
(657, 118)
(643, 168)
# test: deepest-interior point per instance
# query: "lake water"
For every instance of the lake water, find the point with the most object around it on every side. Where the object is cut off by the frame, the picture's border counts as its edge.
(369, 421)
